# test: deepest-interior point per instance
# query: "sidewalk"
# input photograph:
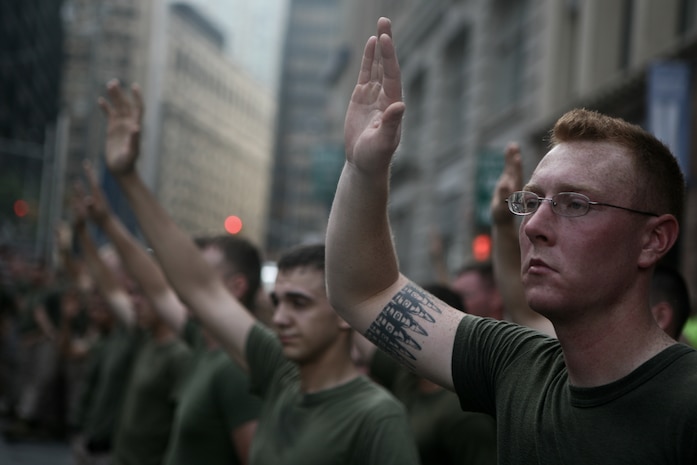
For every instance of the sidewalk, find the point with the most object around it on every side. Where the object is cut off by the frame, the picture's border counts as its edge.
(34, 453)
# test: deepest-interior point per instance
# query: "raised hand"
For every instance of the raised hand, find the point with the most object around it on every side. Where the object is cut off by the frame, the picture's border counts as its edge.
(373, 119)
(95, 203)
(78, 207)
(511, 180)
(124, 116)
(63, 237)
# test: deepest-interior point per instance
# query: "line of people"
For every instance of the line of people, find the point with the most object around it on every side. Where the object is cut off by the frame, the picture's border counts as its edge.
(182, 372)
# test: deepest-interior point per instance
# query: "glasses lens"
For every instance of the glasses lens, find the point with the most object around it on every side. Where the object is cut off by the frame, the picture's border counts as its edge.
(522, 203)
(570, 204)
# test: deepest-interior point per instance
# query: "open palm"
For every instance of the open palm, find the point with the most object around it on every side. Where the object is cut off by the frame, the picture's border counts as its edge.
(124, 117)
(374, 115)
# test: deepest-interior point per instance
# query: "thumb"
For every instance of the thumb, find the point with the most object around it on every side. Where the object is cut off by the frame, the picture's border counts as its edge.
(392, 117)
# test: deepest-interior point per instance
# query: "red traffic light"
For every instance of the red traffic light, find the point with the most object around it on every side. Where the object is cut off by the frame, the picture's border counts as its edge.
(21, 208)
(481, 247)
(233, 224)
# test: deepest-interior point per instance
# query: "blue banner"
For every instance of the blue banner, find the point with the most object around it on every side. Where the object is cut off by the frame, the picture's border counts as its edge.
(669, 108)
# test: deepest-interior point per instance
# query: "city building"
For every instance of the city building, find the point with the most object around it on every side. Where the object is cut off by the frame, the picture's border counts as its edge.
(31, 36)
(104, 39)
(305, 155)
(208, 124)
(480, 73)
(208, 128)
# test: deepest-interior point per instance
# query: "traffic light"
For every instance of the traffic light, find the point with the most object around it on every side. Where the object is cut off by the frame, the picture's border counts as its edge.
(21, 208)
(481, 247)
(233, 224)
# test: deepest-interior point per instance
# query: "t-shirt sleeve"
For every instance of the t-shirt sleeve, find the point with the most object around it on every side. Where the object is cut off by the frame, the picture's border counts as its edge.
(483, 350)
(191, 334)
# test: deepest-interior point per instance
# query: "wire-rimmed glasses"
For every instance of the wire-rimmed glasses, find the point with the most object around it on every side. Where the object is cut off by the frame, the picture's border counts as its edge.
(569, 204)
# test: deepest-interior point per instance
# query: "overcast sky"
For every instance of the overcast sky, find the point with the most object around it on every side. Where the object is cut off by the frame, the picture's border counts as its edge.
(253, 30)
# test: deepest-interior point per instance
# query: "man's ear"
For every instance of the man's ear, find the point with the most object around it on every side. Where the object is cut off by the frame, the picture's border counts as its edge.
(237, 284)
(663, 314)
(660, 235)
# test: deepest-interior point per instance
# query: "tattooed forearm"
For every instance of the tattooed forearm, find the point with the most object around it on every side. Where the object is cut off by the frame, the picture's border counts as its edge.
(404, 316)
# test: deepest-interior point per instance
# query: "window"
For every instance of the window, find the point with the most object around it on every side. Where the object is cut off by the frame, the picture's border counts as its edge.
(509, 35)
(456, 80)
(687, 17)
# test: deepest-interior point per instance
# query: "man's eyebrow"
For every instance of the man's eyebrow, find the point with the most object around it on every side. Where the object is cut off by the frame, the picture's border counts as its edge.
(290, 295)
(298, 294)
(564, 187)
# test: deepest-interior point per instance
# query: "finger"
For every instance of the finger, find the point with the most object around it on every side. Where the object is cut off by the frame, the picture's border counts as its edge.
(384, 26)
(106, 107)
(91, 176)
(391, 122)
(514, 166)
(375, 64)
(379, 72)
(118, 100)
(137, 101)
(367, 62)
(391, 80)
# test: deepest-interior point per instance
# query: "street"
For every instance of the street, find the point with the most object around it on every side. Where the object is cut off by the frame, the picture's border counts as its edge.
(34, 453)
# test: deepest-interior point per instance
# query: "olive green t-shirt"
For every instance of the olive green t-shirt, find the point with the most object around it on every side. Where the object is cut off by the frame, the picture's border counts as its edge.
(519, 375)
(445, 435)
(151, 398)
(110, 370)
(357, 423)
(215, 400)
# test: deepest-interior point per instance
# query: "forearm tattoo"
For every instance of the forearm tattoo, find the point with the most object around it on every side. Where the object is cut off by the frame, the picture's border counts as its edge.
(403, 317)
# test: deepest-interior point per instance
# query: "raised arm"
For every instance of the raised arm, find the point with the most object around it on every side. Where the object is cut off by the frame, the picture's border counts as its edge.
(363, 278)
(106, 280)
(506, 249)
(194, 280)
(70, 263)
(141, 266)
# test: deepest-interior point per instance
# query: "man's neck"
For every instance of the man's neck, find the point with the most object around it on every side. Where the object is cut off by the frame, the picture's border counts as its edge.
(334, 369)
(600, 352)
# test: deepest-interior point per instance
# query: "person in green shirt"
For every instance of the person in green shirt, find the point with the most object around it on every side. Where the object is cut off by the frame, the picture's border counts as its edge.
(215, 415)
(317, 407)
(600, 210)
(669, 295)
(111, 358)
(159, 361)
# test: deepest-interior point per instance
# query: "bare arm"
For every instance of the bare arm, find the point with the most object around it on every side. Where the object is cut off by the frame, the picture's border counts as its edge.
(242, 439)
(194, 280)
(506, 248)
(107, 282)
(363, 279)
(140, 265)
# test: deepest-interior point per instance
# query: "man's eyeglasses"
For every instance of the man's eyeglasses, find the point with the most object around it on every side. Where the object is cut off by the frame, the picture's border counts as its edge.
(563, 204)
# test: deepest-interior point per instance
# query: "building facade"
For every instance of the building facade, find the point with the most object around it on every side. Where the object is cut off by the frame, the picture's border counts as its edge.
(478, 74)
(299, 204)
(210, 129)
(31, 36)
